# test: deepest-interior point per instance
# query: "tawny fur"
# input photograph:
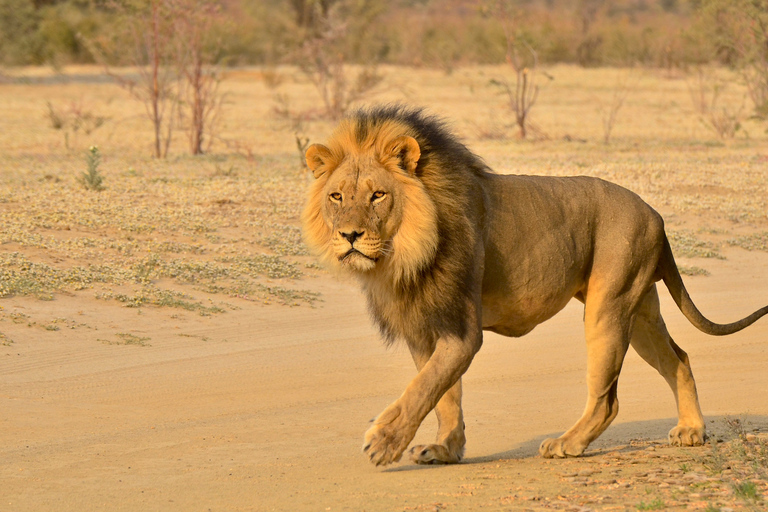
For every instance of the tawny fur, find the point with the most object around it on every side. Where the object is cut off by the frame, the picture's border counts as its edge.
(444, 249)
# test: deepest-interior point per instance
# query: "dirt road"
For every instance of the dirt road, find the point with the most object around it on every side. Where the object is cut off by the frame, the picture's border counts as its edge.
(264, 408)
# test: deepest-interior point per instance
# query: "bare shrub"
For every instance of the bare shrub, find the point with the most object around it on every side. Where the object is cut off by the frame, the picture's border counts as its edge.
(322, 58)
(74, 119)
(169, 44)
(740, 32)
(296, 123)
(302, 143)
(145, 42)
(493, 129)
(611, 103)
(240, 147)
(331, 76)
(706, 90)
(272, 77)
(524, 92)
(588, 48)
(193, 21)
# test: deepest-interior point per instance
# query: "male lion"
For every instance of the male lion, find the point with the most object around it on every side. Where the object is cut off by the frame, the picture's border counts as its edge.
(445, 248)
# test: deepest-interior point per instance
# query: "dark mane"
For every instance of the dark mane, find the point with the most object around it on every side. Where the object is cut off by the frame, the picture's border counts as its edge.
(437, 299)
(431, 132)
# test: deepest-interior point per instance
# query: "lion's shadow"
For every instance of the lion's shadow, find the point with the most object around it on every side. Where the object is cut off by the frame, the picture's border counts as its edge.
(622, 437)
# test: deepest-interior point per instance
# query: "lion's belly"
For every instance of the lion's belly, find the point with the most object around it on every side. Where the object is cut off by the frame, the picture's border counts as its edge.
(518, 295)
(516, 316)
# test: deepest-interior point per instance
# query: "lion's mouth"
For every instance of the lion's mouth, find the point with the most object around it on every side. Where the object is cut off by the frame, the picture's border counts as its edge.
(354, 251)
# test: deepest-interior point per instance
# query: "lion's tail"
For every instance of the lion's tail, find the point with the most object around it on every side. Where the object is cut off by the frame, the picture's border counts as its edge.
(671, 277)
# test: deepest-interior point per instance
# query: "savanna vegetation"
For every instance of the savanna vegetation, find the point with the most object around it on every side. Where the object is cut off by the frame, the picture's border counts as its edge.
(151, 155)
(661, 33)
(94, 164)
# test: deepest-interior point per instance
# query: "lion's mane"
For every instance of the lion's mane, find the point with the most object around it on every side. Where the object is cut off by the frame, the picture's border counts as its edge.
(424, 290)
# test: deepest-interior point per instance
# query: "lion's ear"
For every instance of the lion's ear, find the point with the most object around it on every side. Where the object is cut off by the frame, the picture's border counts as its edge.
(407, 151)
(319, 159)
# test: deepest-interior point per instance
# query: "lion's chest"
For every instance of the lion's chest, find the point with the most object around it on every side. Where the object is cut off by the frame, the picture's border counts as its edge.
(396, 316)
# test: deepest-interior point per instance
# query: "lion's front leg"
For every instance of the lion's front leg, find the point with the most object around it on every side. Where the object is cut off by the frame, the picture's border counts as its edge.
(396, 426)
(449, 445)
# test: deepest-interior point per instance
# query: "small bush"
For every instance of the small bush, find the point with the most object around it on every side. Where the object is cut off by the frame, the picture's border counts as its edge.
(92, 179)
(656, 504)
(746, 490)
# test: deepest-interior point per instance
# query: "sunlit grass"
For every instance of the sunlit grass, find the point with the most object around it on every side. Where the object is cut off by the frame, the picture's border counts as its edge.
(227, 224)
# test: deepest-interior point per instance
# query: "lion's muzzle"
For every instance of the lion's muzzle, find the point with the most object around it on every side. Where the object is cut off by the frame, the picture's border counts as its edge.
(351, 236)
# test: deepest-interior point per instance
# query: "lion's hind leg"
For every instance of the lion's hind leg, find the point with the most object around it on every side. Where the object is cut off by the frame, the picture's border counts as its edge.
(449, 446)
(653, 343)
(607, 344)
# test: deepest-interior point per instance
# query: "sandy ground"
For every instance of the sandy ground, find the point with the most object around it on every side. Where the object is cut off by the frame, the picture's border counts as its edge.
(264, 408)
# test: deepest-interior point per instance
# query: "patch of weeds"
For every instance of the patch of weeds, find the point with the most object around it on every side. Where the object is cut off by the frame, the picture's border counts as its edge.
(224, 172)
(214, 238)
(285, 245)
(5, 341)
(208, 272)
(291, 297)
(748, 448)
(283, 239)
(715, 461)
(203, 338)
(712, 231)
(692, 270)
(753, 242)
(256, 292)
(242, 288)
(746, 490)
(744, 454)
(656, 504)
(685, 244)
(145, 269)
(181, 214)
(192, 272)
(177, 247)
(92, 179)
(685, 468)
(19, 318)
(711, 508)
(154, 296)
(263, 264)
(19, 276)
(128, 339)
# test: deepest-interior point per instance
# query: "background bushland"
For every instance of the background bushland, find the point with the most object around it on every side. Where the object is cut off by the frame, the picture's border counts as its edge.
(435, 33)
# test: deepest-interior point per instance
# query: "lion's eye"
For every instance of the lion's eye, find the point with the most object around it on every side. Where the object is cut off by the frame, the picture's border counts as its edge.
(378, 195)
(335, 196)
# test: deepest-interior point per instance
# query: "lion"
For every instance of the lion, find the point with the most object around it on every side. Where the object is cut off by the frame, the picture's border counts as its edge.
(444, 249)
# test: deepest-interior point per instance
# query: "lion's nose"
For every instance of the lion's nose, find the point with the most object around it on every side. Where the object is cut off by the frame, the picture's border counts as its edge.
(352, 236)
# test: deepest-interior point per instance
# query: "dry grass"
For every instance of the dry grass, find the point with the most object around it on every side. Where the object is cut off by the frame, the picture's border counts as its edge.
(751, 242)
(685, 244)
(162, 232)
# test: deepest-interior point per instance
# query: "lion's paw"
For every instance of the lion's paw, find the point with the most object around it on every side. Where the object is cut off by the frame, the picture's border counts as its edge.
(384, 445)
(433, 454)
(687, 436)
(559, 448)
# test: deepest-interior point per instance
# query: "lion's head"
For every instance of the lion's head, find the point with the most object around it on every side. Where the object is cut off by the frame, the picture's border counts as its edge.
(368, 212)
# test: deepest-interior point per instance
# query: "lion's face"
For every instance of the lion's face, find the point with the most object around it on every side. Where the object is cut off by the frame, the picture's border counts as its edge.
(367, 211)
(362, 207)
